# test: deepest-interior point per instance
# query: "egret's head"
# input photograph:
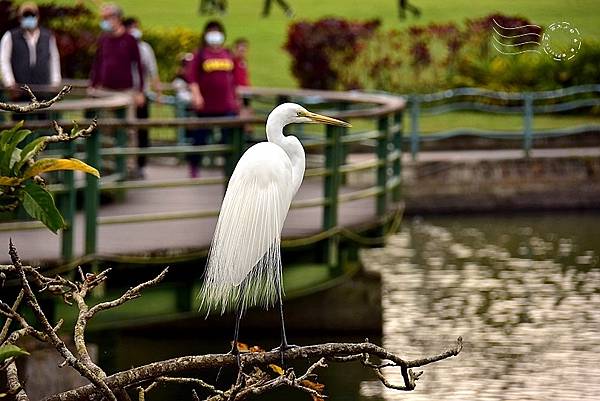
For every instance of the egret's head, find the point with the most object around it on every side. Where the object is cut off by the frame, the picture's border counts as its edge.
(294, 113)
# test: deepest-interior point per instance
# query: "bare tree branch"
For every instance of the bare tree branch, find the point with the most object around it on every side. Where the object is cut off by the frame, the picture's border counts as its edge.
(35, 104)
(171, 367)
(49, 331)
(8, 321)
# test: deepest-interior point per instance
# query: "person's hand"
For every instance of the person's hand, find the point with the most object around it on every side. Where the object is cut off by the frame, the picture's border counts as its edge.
(197, 102)
(139, 99)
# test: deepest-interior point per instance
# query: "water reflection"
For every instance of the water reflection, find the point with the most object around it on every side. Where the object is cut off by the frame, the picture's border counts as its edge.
(524, 294)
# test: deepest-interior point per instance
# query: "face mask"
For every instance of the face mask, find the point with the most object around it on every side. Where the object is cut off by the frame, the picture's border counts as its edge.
(106, 25)
(214, 38)
(136, 33)
(29, 22)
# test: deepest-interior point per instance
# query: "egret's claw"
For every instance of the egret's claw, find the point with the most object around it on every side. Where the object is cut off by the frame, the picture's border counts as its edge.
(282, 348)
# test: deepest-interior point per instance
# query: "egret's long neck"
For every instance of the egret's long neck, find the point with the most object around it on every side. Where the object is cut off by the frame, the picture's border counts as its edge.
(290, 144)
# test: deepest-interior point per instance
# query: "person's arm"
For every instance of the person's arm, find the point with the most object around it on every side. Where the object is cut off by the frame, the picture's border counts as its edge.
(139, 96)
(55, 75)
(153, 72)
(8, 78)
(193, 77)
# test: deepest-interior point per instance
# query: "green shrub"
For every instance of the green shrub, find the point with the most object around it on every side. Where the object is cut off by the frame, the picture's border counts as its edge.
(168, 44)
(440, 56)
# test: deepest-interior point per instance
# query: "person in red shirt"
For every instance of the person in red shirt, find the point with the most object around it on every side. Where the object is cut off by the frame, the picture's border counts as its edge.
(212, 84)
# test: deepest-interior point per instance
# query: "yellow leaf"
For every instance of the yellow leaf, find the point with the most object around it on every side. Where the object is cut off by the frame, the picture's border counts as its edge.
(46, 165)
(10, 180)
(277, 369)
(318, 387)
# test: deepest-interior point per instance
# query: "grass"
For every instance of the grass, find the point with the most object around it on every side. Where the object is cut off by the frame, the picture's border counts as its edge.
(269, 63)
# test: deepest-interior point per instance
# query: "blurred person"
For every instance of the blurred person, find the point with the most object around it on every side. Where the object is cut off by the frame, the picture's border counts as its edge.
(212, 85)
(180, 83)
(117, 65)
(241, 75)
(286, 8)
(28, 54)
(240, 62)
(151, 79)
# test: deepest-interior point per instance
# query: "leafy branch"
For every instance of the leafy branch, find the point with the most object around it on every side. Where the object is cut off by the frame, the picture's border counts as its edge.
(21, 181)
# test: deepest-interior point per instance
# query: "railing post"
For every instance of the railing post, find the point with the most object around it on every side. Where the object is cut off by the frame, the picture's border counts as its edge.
(382, 153)
(415, 110)
(397, 164)
(332, 183)
(92, 189)
(236, 142)
(68, 206)
(121, 142)
(527, 123)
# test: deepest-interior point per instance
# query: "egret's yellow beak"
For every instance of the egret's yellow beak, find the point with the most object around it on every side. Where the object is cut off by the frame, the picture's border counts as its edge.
(318, 118)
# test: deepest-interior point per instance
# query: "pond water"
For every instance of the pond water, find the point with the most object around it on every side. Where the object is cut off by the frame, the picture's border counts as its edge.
(522, 290)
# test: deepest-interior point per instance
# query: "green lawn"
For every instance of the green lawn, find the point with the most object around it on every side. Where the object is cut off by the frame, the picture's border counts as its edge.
(269, 64)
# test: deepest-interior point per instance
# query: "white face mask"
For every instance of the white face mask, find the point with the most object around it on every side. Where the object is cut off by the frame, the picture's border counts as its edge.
(214, 38)
(136, 33)
(29, 22)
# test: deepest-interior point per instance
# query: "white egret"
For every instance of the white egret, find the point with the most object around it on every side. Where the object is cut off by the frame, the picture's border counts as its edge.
(244, 261)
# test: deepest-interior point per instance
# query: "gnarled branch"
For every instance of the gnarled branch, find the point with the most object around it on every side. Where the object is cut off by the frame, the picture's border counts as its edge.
(35, 104)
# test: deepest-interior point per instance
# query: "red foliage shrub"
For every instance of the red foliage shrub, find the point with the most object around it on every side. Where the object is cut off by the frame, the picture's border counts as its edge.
(310, 44)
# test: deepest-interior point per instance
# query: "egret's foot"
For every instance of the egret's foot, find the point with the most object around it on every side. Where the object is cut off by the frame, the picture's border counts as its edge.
(282, 348)
(234, 351)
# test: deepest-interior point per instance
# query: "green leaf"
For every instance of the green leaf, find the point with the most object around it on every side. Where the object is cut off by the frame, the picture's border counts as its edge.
(46, 165)
(9, 148)
(39, 204)
(30, 150)
(16, 156)
(8, 351)
(6, 135)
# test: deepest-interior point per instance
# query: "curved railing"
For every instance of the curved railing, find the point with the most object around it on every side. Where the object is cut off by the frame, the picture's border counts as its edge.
(378, 116)
(528, 104)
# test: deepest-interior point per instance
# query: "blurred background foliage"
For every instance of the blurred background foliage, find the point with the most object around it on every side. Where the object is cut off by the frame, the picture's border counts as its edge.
(340, 52)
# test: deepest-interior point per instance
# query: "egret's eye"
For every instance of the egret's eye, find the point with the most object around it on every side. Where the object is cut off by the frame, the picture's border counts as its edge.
(299, 114)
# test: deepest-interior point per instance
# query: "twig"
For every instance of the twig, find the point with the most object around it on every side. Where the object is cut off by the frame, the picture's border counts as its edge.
(8, 321)
(35, 104)
(49, 331)
(14, 386)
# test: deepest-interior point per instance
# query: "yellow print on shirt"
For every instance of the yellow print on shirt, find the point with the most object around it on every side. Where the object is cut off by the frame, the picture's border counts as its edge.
(217, 64)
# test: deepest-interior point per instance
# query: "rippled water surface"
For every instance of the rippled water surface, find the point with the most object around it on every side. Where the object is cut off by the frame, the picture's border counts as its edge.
(523, 291)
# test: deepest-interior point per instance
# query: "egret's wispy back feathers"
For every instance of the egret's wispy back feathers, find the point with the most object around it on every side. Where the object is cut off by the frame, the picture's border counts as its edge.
(245, 251)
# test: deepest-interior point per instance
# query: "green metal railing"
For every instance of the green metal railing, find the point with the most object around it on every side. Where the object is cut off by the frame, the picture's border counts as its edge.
(527, 104)
(382, 112)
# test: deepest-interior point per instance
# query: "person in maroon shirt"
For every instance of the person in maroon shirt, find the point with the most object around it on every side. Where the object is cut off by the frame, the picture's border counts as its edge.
(212, 84)
(117, 57)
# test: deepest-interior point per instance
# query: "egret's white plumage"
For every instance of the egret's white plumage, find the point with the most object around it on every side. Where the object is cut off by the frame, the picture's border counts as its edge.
(244, 262)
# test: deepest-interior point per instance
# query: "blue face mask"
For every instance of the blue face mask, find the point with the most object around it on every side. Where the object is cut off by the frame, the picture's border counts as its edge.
(106, 25)
(29, 22)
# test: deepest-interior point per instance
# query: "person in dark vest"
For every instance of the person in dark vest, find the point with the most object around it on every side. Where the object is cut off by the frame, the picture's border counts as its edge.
(28, 55)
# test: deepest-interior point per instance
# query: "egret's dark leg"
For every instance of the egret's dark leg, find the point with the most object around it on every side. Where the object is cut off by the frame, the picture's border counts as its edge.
(234, 348)
(284, 344)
